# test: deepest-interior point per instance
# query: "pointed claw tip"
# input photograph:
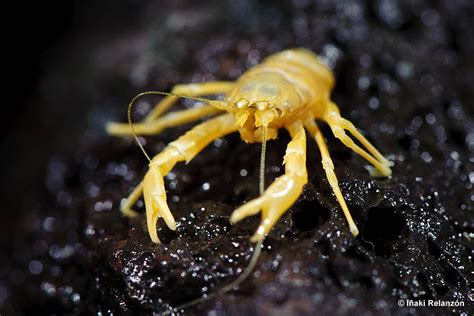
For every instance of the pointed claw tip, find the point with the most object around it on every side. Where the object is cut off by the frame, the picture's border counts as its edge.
(172, 225)
(255, 238)
(354, 230)
(387, 162)
(259, 234)
(110, 127)
(375, 173)
(155, 239)
(115, 129)
(233, 219)
(164, 211)
(129, 213)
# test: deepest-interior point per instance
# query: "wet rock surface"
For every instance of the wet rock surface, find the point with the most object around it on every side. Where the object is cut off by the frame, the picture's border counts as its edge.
(405, 77)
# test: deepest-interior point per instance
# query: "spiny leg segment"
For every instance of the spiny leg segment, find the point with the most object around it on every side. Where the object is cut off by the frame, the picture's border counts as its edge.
(328, 167)
(338, 125)
(282, 193)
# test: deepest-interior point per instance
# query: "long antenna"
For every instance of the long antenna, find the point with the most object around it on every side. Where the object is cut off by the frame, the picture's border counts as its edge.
(215, 103)
(231, 286)
(258, 247)
(257, 250)
(129, 115)
(261, 184)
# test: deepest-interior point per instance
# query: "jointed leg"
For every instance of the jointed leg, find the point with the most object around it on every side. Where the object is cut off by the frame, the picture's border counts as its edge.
(149, 126)
(191, 90)
(126, 207)
(169, 120)
(182, 149)
(330, 175)
(338, 124)
(282, 193)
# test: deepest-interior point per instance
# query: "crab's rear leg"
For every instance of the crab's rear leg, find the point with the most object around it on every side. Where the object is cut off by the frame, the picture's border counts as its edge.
(182, 149)
(282, 193)
(328, 167)
(338, 125)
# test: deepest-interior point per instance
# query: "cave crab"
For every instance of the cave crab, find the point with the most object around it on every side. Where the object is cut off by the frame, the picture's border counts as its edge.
(290, 89)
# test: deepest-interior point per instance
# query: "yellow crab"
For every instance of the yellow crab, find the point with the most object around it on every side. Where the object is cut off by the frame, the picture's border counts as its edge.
(291, 90)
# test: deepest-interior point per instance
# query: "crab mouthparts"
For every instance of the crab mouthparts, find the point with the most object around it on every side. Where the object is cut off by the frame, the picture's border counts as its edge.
(264, 117)
(261, 117)
(241, 117)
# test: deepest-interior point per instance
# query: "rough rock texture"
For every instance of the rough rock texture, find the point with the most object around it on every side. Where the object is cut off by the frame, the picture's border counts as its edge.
(405, 76)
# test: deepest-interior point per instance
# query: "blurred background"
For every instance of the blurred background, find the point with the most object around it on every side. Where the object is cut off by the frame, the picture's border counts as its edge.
(405, 76)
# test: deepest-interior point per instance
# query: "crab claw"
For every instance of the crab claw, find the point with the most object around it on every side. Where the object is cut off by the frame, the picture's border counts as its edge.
(155, 202)
(284, 191)
(276, 200)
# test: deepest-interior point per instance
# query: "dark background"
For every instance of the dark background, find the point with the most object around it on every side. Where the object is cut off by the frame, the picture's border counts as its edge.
(40, 50)
(43, 27)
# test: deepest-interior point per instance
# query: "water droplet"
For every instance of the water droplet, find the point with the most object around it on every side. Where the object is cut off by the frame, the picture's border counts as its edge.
(363, 83)
(35, 267)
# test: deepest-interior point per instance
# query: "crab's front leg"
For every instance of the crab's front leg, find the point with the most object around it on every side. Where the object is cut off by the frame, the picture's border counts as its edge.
(152, 125)
(182, 149)
(282, 193)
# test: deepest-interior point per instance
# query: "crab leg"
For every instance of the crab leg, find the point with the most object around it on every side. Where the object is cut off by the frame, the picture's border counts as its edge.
(338, 124)
(126, 207)
(173, 119)
(282, 193)
(328, 167)
(157, 126)
(183, 149)
(192, 90)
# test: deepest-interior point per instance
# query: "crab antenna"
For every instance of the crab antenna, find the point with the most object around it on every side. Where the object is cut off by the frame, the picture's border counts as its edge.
(221, 105)
(231, 286)
(215, 103)
(129, 116)
(248, 270)
(261, 184)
